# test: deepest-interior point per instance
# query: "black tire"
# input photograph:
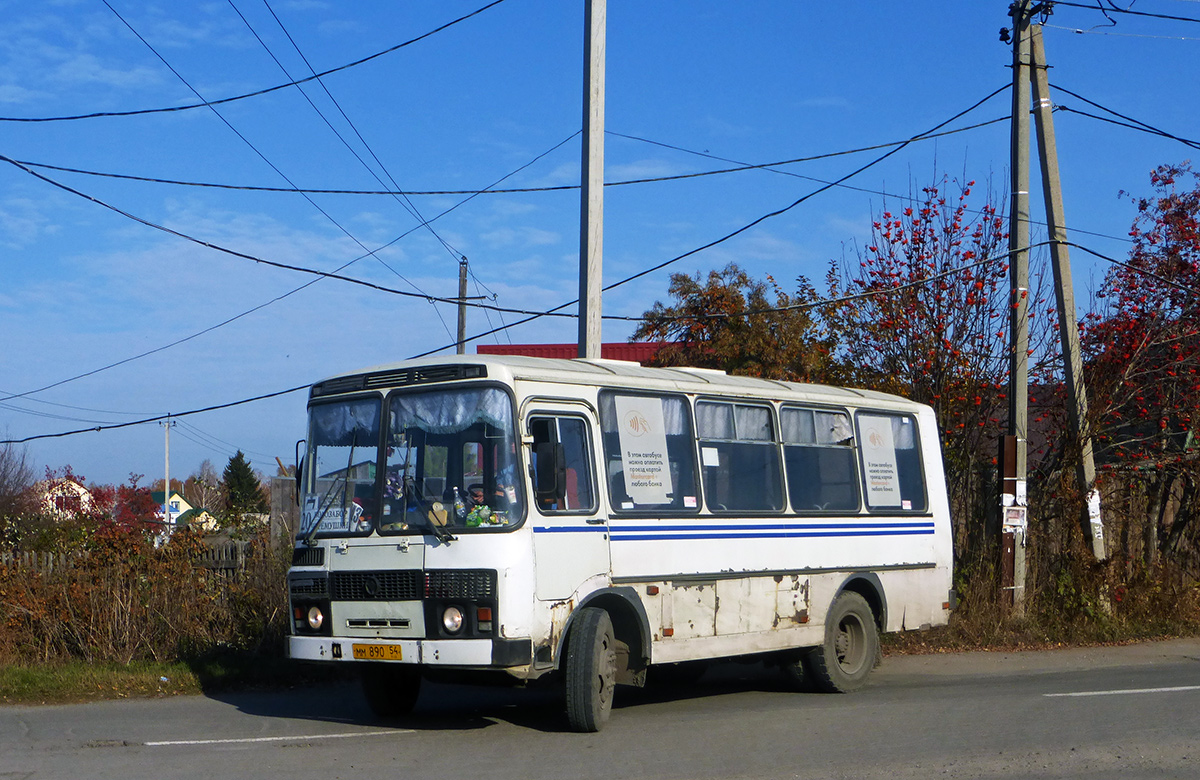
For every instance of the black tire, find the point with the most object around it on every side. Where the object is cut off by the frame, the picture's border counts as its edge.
(793, 668)
(851, 648)
(391, 691)
(591, 670)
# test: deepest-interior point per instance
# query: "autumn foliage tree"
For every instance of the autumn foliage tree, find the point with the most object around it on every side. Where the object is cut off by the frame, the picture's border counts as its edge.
(1142, 346)
(741, 325)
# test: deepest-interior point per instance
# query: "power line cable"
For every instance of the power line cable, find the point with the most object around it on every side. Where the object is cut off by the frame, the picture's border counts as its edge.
(158, 418)
(1135, 269)
(614, 285)
(1081, 31)
(256, 93)
(176, 415)
(263, 261)
(1136, 124)
(402, 198)
(805, 197)
(255, 149)
(1128, 11)
(319, 277)
(404, 202)
(520, 190)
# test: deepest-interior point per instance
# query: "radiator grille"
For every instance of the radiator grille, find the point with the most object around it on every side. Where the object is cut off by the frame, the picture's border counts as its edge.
(465, 584)
(375, 585)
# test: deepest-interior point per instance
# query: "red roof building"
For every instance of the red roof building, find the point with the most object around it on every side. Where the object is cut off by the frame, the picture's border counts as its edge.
(636, 351)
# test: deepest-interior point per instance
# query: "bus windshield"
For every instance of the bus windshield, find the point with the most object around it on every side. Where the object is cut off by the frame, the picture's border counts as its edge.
(448, 464)
(451, 461)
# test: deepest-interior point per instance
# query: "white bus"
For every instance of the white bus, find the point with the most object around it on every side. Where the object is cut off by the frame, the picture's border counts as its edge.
(519, 517)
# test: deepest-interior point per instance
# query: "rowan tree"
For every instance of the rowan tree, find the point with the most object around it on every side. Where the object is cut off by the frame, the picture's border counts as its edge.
(744, 326)
(1142, 346)
(923, 312)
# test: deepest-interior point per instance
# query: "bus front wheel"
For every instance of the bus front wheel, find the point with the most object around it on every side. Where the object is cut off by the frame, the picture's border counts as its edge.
(843, 661)
(390, 691)
(591, 670)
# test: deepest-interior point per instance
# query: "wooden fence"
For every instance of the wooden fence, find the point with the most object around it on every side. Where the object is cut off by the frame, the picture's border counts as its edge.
(225, 558)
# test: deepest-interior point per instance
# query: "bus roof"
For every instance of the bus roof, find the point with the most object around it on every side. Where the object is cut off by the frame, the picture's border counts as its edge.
(601, 372)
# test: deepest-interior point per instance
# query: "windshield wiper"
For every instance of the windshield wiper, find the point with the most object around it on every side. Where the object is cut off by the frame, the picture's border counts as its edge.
(408, 485)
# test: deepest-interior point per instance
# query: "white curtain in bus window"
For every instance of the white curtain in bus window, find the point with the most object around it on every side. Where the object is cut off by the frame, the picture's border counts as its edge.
(642, 432)
(451, 411)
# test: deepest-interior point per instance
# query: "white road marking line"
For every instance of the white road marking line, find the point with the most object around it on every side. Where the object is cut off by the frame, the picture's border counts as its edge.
(1124, 691)
(294, 738)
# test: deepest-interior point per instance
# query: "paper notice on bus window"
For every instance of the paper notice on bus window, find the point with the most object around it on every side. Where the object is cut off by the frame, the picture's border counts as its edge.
(643, 449)
(879, 461)
(333, 519)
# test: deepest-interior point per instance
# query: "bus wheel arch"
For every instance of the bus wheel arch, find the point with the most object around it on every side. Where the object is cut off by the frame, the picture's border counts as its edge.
(631, 628)
(868, 585)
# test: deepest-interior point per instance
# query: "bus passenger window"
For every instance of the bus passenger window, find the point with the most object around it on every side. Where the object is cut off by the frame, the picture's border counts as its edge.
(739, 458)
(818, 451)
(649, 450)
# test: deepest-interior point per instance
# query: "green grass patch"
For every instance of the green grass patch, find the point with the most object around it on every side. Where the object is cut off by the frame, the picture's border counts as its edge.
(78, 681)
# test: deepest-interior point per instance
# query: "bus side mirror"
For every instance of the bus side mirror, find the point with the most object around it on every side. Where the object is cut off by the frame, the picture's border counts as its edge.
(299, 469)
(551, 473)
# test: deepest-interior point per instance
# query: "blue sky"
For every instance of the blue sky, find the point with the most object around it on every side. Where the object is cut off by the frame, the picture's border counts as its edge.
(496, 95)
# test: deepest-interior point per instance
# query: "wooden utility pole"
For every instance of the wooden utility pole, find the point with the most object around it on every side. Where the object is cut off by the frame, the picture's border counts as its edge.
(591, 220)
(1013, 463)
(1077, 405)
(462, 305)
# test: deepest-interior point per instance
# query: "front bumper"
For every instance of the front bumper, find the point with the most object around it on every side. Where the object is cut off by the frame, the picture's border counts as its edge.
(473, 653)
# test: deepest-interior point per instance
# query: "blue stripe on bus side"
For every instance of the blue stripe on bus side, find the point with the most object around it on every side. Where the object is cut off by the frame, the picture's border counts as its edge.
(619, 537)
(645, 533)
(925, 524)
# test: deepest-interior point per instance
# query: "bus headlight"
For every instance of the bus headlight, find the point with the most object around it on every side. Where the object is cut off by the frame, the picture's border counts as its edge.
(316, 618)
(452, 619)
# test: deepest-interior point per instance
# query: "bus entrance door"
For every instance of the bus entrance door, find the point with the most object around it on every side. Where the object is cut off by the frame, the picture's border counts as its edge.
(570, 532)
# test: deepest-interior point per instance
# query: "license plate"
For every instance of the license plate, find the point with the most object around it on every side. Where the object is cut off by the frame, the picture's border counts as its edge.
(378, 652)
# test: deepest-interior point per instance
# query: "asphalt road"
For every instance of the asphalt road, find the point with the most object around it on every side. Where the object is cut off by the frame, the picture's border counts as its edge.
(1128, 712)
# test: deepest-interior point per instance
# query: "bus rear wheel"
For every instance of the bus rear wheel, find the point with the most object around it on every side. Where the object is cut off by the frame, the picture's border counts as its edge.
(591, 670)
(843, 661)
(390, 691)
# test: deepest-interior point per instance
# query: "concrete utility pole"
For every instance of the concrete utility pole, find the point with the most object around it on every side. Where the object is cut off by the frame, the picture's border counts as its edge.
(168, 527)
(1077, 405)
(591, 220)
(1013, 463)
(462, 305)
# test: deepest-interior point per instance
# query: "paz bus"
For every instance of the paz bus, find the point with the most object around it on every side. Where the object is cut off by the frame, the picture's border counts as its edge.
(518, 518)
